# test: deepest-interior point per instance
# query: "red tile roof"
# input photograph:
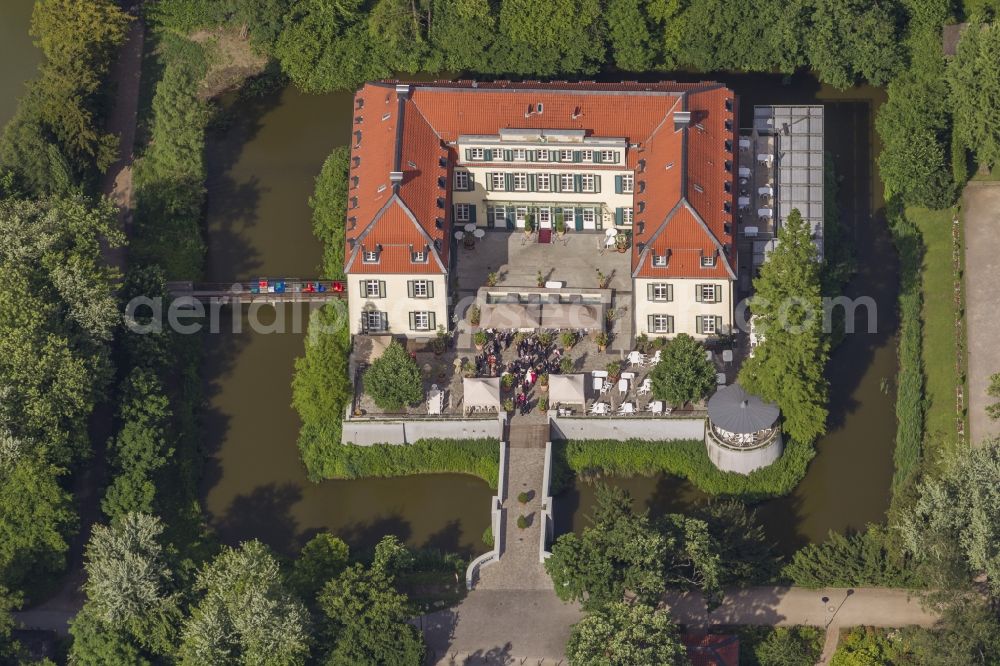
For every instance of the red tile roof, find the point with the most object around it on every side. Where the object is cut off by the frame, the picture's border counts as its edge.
(679, 174)
(712, 649)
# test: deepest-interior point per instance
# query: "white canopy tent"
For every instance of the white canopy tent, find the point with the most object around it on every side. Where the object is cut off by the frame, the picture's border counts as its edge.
(567, 389)
(481, 393)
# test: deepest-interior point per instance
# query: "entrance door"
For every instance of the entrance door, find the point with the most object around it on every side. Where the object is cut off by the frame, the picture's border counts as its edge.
(578, 219)
(544, 218)
(520, 217)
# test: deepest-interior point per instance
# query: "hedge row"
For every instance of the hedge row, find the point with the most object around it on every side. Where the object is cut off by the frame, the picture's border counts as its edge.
(479, 457)
(910, 402)
(685, 458)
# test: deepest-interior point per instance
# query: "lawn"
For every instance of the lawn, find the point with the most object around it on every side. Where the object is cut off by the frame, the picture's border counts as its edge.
(939, 314)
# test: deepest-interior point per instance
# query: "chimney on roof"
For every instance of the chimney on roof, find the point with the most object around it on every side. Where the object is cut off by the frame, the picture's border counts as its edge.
(682, 119)
(395, 177)
(402, 89)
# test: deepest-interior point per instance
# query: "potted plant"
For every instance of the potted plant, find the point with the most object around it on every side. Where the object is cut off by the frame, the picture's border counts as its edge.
(621, 241)
(642, 342)
(474, 315)
(540, 279)
(492, 278)
(568, 339)
(545, 338)
(519, 338)
(543, 381)
(524, 497)
(560, 224)
(440, 342)
(468, 369)
(480, 339)
(602, 279)
(529, 224)
(566, 365)
(507, 382)
(508, 405)
(543, 404)
(614, 370)
(602, 341)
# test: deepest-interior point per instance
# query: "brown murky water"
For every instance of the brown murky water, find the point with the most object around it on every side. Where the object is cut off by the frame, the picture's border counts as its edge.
(847, 484)
(261, 175)
(18, 56)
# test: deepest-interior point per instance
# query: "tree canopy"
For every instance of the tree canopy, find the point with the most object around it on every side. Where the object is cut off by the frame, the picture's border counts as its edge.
(788, 365)
(622, 634)
(975, 86)
(683, 374)
(393, 379)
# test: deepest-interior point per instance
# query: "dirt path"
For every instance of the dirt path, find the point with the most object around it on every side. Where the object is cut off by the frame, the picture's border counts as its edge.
(55, 613)
(981, 216)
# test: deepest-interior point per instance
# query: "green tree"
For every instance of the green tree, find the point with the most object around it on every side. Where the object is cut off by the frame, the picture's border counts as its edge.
(129, 589)
(788, 365)
(141, 445)
(975, 86)
(746, 556)
(461, 35)
(329, 206)
(393, 379)
(683, 374)
(10, 649)
(245, 613)
(789, 646)
(326, 46)
(863, 646)
(852, 39)
(95, 643)
(632, 35)
(322, 559)
(953, 530)
(35, 516)
(396, 27)
(621, 634)
(321, 387)
(968, 634)
(548, 38)
(619, 552)
(854, 560)
(367, 620)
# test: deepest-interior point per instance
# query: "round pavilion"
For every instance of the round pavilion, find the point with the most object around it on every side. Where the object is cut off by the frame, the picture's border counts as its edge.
(742, 433)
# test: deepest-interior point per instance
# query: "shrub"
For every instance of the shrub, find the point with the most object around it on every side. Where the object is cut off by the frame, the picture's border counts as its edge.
(863, 559)
(393, 380)
(543, 403)
(684, 458)
(568, 339)
(545, 338)
(522, 522)
(566, 365)
(601, 339)
(508, 405)
(523, 497)
(488, 536)
(329, 206)
(480, 338)
(614, 369)
(475, 314)
(478, 457)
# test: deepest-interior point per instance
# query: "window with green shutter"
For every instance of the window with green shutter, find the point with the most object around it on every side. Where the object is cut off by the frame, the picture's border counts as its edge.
(488, 154)
(619, 216)
(508, 156)
(577, 157)
(618, 184)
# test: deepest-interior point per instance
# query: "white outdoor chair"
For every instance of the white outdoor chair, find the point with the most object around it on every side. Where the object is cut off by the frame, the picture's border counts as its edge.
(598, 384)
(646, 386)
(656, 357)
(600, 408)
(656, 407)
(623, 386)
(607, 386)
(628, 375)
(636, 358)
(626, 409)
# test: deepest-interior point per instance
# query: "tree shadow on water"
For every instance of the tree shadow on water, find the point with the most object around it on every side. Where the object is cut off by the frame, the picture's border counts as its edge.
(266, 514)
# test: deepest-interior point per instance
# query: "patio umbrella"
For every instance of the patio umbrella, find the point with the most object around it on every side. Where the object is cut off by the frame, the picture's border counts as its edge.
(481, 392)
(567, 389)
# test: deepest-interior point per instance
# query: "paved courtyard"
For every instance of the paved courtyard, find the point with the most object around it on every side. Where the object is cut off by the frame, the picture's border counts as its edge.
(573, 259)
(981, 213)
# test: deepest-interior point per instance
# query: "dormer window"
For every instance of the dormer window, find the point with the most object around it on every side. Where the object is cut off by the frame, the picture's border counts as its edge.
(708, 261)
(419, 256)
(565, 155)
(369, 257)
(659, 260)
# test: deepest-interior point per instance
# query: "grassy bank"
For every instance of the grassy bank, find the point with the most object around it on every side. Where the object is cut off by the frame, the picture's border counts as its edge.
(939, 346)
(479, 457)
(910, 403)
(685, 458)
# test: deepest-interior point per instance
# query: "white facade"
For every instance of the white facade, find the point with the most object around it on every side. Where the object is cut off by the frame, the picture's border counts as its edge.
(699, 307)
(502, 180)
(411, 305)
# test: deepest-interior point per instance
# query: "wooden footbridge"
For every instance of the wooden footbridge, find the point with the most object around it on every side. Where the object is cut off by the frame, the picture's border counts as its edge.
(264, 290)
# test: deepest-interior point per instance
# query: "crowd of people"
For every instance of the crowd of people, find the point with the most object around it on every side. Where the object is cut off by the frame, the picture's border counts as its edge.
(535, 354)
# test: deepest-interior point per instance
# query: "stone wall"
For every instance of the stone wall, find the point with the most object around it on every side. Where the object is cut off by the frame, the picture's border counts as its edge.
(497, 523)
(548, 510)
(743, 461)
(407, 431)
(651, 429)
